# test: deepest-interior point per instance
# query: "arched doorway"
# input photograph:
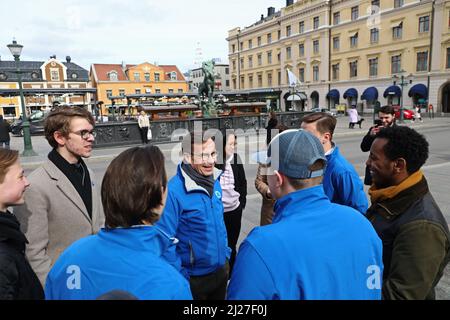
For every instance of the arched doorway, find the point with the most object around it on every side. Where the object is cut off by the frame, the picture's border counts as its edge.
(314, 99)
(446, 98)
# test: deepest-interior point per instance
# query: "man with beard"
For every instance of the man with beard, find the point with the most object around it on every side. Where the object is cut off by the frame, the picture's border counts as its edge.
(386, 118)
(414, 232)
(62, 203)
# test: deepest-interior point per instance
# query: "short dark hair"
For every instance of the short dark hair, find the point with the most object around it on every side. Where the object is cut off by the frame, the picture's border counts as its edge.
(59, 119)
(387, 110)
(196, 136)
(404, 142)
(133, 186)
(325, 122)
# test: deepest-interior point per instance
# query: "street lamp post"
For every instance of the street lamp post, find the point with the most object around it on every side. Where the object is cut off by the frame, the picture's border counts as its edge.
(402, 84)
(16, 50)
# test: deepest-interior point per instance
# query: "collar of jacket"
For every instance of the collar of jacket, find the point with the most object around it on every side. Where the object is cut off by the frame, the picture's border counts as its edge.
(190, 184)
(398, 204)
(334, 152)
(10, 230)
(299, 202)
(140, 238)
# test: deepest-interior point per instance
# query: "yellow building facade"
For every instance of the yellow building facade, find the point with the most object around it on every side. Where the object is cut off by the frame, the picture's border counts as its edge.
(334, 46)
(115, 80)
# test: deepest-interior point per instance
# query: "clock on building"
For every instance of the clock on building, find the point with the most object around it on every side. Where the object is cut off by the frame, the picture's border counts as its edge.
(74, 75)
(3, 76)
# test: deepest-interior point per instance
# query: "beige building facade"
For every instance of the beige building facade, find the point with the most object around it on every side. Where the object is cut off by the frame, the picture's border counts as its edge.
(348, 52)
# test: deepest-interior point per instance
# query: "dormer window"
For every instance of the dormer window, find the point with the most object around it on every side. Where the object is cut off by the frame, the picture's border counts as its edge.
(112, 75)
(173, 75)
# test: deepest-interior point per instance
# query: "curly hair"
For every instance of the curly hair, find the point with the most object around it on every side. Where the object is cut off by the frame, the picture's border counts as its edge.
(404, 142)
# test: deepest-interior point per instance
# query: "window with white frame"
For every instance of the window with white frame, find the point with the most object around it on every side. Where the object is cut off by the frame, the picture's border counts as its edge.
(316, 23)
(374, 35)
(269, 57)
(269, 38)
(396, 64)
(315, 73)
(112, 75)
(355, 13)
(353, 69)
(54, 74)
(373, 67)
(259, 59)
(301, 74)
(121, 92)
(335, 71)
(288, 31)
(250, 62)
(137, 77)
(397, 31)
(250, 45)
(336, 18)
(301, 27)
(288, 53)
(316, 46)
(422, 61)
(157, 77)
(424, 24)
(147, 76)
(269, 79)
(354, 40)
(336, 43)
(301, 49)
(108, 93)
(173, 76)
(375, 6)
(259, 41)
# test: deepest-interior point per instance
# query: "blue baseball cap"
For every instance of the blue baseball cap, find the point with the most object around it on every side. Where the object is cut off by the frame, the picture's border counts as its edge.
(292, 152)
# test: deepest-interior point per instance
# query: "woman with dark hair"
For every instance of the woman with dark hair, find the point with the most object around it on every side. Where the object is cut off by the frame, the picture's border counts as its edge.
(234, 192)
(126, 254)
(17, 279)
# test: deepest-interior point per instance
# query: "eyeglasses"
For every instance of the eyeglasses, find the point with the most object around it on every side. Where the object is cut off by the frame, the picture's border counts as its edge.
(85, 134)
(206, 156)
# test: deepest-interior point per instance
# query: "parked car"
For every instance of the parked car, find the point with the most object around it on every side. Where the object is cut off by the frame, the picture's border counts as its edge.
(323, 110)
(36, 120)
(407, 113)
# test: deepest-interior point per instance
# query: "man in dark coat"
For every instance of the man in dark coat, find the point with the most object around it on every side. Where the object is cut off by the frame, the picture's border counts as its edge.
(386, 118)
(5, 129)
(415, 235)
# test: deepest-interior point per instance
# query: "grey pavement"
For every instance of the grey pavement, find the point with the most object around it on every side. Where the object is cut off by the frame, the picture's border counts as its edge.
(438, 175)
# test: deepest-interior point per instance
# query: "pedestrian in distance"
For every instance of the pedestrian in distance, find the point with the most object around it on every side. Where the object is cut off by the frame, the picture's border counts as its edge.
(262, 187)
(271, 124)
(5, 129)
(415, 235)
(314, 249)
(386, 118)
(431, 111)
(417, 114)
(234, 191)
(17, 279)
(341, 182)
(62, 203)
(144, 127)
(194, 215)
(126, 254)
(352, 117)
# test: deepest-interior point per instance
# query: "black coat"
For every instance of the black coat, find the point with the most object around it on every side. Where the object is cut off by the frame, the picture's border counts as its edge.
(17, 280)
(5, 129)
(240, 181)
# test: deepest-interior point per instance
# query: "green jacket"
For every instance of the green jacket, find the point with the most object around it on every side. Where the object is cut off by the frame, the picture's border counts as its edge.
(416, 242)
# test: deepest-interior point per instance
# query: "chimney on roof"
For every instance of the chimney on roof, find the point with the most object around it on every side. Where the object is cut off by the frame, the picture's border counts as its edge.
(53, 56)
(68, 59)
(123, 65)
(270, 11)
(156, 63)
(289, 2)
(262, 17)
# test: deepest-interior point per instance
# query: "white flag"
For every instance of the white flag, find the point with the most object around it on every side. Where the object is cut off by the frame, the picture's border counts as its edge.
(293, 81)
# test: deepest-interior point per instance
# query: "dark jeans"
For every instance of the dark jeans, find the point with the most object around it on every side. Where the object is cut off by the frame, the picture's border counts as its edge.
(6, 143)
(212, 286)
(233, 224)
(144, 131)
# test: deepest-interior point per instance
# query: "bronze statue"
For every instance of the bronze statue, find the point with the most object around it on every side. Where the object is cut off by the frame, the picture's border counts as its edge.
(206, 88)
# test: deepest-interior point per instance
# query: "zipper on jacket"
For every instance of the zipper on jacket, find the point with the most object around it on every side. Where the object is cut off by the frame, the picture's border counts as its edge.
(191, 255)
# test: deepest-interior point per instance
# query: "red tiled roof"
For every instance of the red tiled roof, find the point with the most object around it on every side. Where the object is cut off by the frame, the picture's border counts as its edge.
(102, 71)
(170, 68)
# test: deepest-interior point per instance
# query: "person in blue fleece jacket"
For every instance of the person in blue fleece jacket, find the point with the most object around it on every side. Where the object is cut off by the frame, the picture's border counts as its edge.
(126, 254)
(341, 182)
(314, 249)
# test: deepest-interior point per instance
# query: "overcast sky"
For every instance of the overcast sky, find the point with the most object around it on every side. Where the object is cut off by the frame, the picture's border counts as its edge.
(112, 31)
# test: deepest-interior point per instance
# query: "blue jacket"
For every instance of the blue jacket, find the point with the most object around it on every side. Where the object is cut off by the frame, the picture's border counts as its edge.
(314, 249)
(342, 184)
(127, 259)
(196, 220)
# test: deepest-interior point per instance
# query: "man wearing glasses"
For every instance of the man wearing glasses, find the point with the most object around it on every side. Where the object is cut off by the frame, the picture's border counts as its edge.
(194, 215)
(62, 203)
